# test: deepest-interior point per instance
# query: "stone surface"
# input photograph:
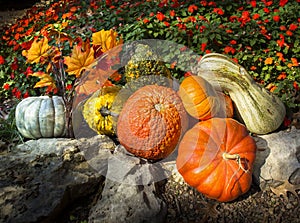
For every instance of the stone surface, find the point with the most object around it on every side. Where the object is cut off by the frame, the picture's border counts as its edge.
(122, 202)
(277, 158)
(41, 177)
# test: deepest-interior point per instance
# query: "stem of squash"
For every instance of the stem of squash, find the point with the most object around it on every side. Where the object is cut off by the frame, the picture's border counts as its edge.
(236, 157)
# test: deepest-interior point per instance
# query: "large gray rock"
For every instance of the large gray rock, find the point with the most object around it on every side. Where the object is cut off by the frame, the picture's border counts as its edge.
(130, 194)
(277, 158)
(41, 177)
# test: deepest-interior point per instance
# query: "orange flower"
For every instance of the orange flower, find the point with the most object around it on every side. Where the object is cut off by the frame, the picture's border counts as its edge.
(281, 76)
(269, 60)
(280, 55)
(294, 63)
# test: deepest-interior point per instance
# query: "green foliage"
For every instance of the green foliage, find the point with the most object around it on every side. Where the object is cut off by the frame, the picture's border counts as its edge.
(262, 36)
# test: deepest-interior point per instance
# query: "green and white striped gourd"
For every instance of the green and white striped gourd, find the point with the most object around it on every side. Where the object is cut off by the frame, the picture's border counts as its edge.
(261, 111)
(41, 117)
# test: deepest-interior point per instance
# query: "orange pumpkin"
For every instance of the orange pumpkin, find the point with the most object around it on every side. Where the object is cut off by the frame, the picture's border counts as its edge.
(199, 97)
(226, 106)
(216, 157)
(151, 122)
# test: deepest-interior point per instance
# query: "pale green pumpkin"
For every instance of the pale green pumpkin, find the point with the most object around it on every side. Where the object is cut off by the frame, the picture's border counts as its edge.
(41, 117)
(260, 110)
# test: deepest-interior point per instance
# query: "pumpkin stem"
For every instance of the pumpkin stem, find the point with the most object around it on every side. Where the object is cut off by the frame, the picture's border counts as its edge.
(239, 160)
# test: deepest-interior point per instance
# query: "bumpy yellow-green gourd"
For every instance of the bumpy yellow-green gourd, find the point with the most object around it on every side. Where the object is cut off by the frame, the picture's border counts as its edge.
(145, 62)
(41, 117)
(260, 110)
(96, 110)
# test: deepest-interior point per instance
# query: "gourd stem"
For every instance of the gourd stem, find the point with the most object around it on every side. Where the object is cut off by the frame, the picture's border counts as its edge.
(104, 111)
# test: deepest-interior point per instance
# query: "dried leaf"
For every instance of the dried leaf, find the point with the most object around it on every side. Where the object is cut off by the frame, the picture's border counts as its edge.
(82, 58)
(284, 188)
(107, 39)
(38, 51)
(45, 80)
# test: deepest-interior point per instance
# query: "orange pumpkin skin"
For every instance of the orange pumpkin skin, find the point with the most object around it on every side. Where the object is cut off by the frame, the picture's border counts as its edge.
(216, 157)
(226, 106)
(199, 97)
(152, 122)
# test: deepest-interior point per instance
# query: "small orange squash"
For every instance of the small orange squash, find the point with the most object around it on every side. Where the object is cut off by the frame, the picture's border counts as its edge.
(199, 97)
(151, 122)
(216, 157)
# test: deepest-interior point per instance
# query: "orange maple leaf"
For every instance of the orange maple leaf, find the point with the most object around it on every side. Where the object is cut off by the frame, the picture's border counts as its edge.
(45, 80)
(38, 51)
(81, 59)
(107, 39)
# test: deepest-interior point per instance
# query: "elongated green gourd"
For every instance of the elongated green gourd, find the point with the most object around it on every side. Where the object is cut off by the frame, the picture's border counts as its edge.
(261, 111)
(41, 117)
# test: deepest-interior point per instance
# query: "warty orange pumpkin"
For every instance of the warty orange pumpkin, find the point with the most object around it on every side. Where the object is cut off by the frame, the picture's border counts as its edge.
(151, 122)
(216, 157)
(199, 97)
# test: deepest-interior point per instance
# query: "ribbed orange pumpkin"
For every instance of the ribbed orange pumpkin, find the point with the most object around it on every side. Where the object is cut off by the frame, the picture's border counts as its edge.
(151, 122)
(216, 157)
(226, 106)
(199, 97)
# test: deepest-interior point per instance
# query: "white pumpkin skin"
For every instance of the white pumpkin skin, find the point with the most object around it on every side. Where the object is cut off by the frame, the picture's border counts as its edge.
(260, 110)
(41, 117)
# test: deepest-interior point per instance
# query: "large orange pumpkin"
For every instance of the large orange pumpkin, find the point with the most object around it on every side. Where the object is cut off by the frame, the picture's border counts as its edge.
(216, 157)
(151, 122)
(199, 97)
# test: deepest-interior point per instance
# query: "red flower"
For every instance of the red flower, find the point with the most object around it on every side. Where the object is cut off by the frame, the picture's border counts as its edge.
(283, 2)
(256, 16)
(289, 33)
(6, 86)
(192, 8)
(203, 46)
(266, 10)
(172, 13)
(17, 93)
(188, 74)
(229, 49)
(296, 86)
(68, 87)
(253, 4)
(232, 42)
(145, 21)
(28, 71)
(293, 27)
(160, 16)
(14, 66)
(166, 24)
(26, 95)
(282, 28)
(2, 60)
(218, 11)
(276, 18)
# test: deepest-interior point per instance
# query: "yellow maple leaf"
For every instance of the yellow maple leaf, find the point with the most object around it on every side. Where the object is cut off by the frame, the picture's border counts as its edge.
(38, 51)
(45, 80)
(106, 38)
(81, 59)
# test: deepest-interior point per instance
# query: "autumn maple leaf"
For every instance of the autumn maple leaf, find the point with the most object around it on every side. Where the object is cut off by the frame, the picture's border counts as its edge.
(106, 38)
(38, 51)
(45, 80)
(81, 59)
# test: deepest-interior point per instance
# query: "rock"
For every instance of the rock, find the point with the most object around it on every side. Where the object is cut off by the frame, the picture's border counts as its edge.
(277, 158)
(42, 177)
(128, 203)
(130, 194)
